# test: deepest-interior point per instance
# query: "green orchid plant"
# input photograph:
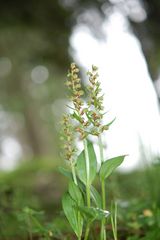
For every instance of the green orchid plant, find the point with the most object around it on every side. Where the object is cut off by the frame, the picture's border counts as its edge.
(82, 203)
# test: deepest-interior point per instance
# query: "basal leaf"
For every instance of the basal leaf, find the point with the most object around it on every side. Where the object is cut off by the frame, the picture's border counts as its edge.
(71, 212)
(81, 164)
(110, 165)
(75, 193)
(91, 214)
(65, 172)
(96, 197)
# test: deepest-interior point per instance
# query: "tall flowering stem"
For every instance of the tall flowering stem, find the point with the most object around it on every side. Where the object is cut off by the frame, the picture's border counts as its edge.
(95, 115)
(74, 85)
(85, 119)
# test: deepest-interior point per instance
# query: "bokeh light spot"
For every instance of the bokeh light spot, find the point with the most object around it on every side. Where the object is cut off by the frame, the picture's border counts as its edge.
(39, 74)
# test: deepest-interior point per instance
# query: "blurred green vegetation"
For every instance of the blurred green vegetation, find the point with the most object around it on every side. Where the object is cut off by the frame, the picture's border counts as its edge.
(35, 53)
(36, 189)
(37, 34)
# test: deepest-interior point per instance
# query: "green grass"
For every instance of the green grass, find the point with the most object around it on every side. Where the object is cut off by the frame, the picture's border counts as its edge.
(38, 185)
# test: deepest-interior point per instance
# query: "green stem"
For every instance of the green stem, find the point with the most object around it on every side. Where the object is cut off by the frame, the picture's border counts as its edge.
(88, 193)
(101, 149)
(87, 172)
(74, 173)
(87, 232)
(75, 181)
(114, 212)
(79, 237)
(103, 231)
(87, 159)
(115, 219)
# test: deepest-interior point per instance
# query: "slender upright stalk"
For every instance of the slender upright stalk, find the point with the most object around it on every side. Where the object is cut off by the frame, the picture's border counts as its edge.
(87, 172)
(114, 222)
(103, 231)
(87, 185)
(75, 181)
(74, 173)
(87, 232)
(101, 149)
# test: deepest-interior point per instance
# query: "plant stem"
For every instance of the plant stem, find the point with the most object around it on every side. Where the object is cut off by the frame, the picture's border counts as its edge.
(87, 172)
(87, 231)
(101, 149)
(103, 231)
(74, 173)
(87, 184)
(79, 237)
(75, 181)
(114, 221)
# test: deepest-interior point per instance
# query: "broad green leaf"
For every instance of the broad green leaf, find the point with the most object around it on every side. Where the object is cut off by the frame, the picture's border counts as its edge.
(96, 197)
(110, 165)
(71, 212)
(81, 165)
(65, 172)
(75, 193)
(91, 214)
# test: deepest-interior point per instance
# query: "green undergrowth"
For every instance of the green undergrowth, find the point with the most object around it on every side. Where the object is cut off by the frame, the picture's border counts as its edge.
(35, 188)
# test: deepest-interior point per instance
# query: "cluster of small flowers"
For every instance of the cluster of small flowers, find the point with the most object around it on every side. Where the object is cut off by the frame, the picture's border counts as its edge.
(95, 103)
(67, 136)
(89, 118)
(74, 85)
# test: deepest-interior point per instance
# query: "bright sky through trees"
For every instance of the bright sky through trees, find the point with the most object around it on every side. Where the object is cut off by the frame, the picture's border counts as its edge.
(129, 92)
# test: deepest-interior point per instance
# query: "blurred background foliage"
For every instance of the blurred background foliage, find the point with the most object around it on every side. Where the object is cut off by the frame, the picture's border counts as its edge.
(35, 53)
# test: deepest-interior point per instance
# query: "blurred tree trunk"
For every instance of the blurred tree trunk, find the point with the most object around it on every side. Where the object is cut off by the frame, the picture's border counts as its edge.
(32, 133)
(148, 33)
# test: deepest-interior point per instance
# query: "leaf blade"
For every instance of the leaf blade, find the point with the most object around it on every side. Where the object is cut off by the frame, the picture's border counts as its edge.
(75, 193)
(69, 207)
(81, 164)
(65, 172)
(110, 165)
(96, 197)
(91, 213)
